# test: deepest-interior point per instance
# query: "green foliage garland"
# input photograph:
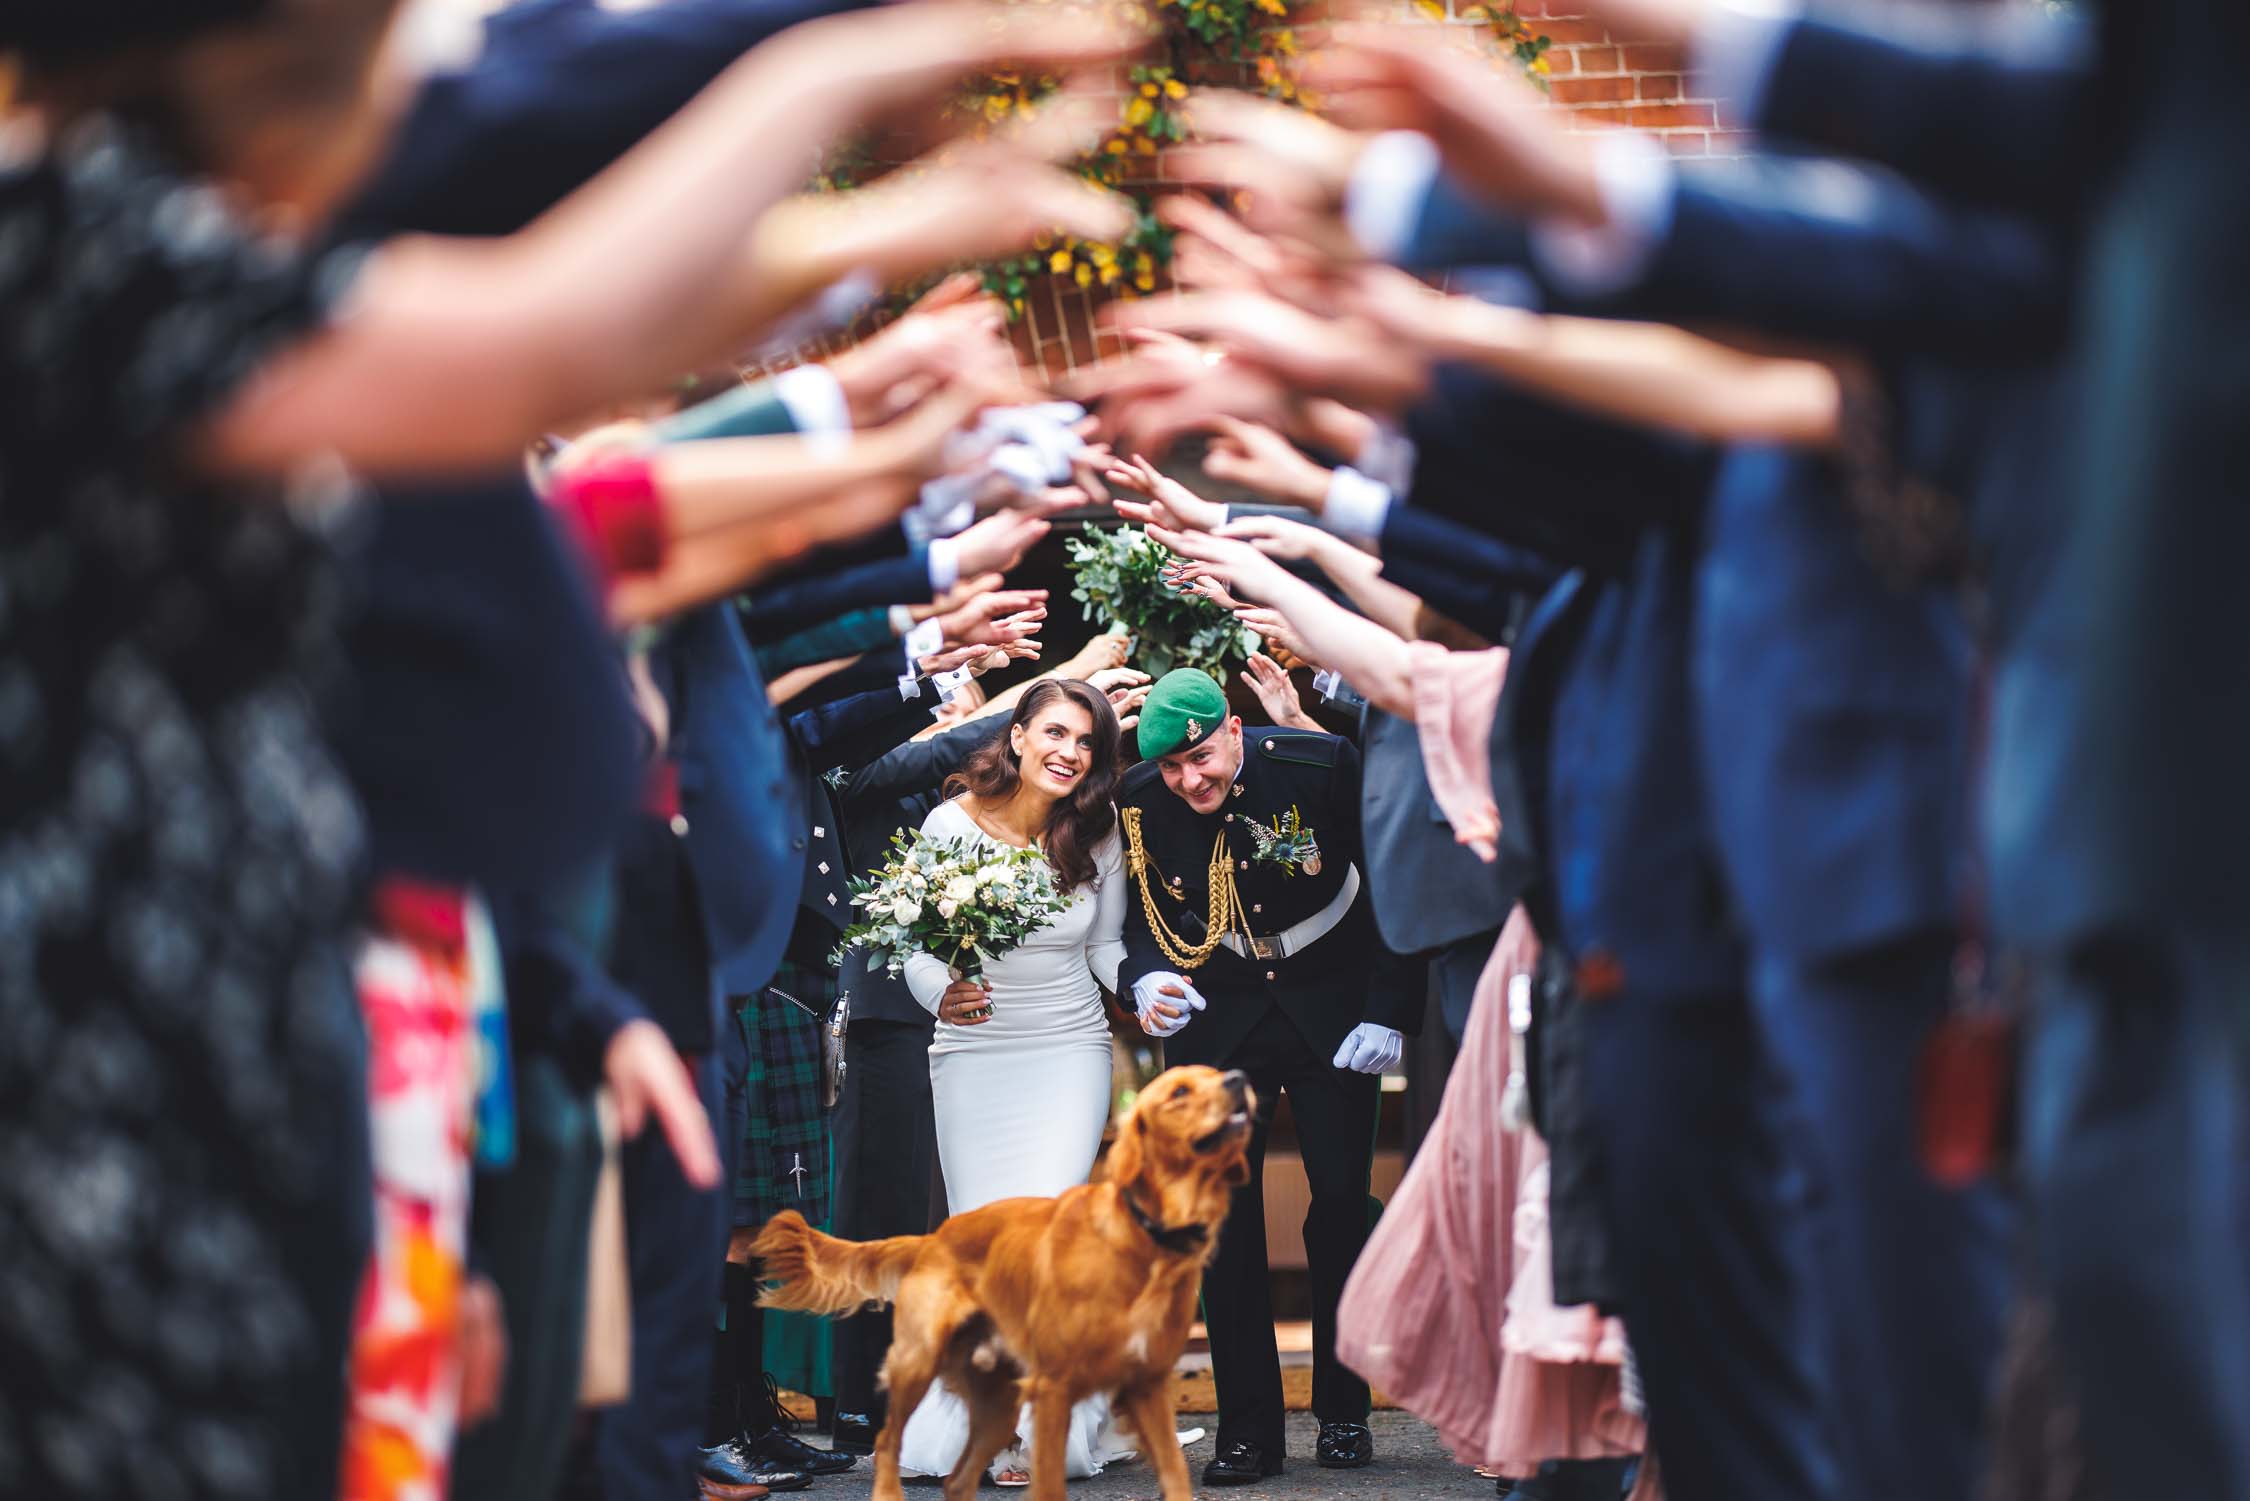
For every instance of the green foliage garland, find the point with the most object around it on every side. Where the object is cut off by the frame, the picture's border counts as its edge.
(1120, 581)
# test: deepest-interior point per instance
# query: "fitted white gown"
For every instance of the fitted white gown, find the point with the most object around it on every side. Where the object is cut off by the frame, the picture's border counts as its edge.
(1022, 1099)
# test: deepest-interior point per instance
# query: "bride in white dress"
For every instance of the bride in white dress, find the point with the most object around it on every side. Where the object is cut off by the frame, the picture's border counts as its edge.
(1020, 1064)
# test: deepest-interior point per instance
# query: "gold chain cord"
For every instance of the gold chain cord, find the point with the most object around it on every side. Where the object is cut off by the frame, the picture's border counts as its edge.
(1225, 907)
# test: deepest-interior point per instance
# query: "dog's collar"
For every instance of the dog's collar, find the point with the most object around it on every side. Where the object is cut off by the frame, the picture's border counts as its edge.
(1172, 1238)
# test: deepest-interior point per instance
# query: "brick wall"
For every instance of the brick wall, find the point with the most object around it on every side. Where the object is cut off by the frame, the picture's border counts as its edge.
(1595, 80)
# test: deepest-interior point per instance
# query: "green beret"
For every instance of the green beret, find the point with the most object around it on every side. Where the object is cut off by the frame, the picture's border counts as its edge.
(1184, 709)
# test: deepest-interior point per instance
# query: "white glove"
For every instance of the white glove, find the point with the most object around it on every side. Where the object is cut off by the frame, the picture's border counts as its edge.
(1371, 1049)
(1146, 997)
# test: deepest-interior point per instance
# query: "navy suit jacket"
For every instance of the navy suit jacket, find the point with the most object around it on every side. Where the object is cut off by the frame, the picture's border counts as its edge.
(1814, 249)
(1831, 716)
(485, 150)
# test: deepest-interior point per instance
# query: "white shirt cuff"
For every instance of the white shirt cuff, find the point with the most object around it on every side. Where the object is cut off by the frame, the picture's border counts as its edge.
(945, 563)
(1734, 51)
(815, 401)
(950, 684)
(1383, 201)
(1356, 505)
(1388, 458)
(925, 638)
(1637, 187)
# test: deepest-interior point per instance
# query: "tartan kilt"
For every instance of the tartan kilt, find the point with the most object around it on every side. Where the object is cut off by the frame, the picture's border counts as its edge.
(785, 1150)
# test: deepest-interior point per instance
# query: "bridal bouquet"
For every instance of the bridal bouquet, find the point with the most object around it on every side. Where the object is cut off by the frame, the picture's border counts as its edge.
(964, 901)
(1119, 577)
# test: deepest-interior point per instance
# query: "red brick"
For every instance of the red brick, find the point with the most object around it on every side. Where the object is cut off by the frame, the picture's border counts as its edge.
(1660, 86)
(1592, 90)
(1686, 142)
(1597, 115)
(1663, 116)
(1643, 58)
(1595, 59)
(1562, 63)
(1565, 33)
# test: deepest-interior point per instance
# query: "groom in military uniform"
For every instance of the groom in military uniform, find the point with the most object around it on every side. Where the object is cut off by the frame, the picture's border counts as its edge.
(1248, 946)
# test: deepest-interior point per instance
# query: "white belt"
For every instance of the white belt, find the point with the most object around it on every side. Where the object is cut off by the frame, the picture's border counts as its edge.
(1298, 937)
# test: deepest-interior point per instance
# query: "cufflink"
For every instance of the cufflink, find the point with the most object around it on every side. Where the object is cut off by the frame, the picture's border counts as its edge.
(679, 824)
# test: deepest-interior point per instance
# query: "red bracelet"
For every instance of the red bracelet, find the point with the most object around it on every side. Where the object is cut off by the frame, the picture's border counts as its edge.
(618, 511)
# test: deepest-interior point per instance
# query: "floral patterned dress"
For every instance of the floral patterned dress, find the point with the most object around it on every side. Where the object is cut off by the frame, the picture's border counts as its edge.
(183, 1106)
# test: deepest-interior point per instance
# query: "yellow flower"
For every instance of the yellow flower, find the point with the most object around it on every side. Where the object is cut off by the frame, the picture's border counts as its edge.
(1273, 7)
(1145, 280)
(1139, 113)
(1541, 65)
(1433, 9)
(1285, 43)
(1084, 274)
(1108, 275)
(1174, 89)
(1148, 91)
(1043, 239)
(996, 108)
(1115, 145)
(1059, 262)
(1145, 146)
(1103, 255)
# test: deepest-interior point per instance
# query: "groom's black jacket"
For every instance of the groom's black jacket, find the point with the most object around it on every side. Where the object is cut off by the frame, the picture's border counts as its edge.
(1324, 989)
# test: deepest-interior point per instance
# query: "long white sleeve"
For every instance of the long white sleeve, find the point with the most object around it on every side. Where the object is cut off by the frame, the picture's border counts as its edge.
(926, 975)
(1105, 944)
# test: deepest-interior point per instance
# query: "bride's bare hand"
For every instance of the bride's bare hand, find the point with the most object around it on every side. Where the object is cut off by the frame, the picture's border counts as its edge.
(966, 1003)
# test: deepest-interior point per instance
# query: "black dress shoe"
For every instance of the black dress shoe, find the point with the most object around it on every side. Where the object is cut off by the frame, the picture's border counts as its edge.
(779, 1449)
(854, 1433)
(1344, 1446)
(1241, 1464)
(724, 1472)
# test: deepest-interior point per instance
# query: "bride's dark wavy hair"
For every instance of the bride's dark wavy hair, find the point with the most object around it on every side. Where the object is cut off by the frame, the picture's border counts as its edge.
(1082, 820)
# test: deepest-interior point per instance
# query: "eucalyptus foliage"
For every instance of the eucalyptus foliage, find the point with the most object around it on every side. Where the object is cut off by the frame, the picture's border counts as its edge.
(1120, 581)
(964, 901)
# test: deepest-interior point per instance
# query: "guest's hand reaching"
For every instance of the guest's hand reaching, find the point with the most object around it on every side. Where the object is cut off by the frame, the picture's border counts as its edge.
(1126, 691)
(1254, 456)
(1166, 502)
(1266, 678)
(994, 616)
(646, 1078)
(999, 542)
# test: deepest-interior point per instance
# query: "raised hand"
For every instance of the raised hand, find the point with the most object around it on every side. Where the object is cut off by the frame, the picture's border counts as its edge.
(1168, 503)
(999, 542)
(1267, 679)
(1493, 131)
(1254, 456)
(1279, 634)
(1278, 537)
(1349, 360)
(995, 618)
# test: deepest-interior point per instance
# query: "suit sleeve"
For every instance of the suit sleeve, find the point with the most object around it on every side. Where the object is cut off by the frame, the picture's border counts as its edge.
(844, 636)
(2009, 118)
(1399, 1007)
(1461, 573)
(489, 148)
(788, 605)
(920, 765)
(858, 729)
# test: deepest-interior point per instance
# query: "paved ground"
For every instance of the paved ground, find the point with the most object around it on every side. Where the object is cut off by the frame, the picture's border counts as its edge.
(1409, 1466)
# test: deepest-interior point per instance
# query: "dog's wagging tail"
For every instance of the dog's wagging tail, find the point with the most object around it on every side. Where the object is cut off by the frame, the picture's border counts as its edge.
(818, 1273)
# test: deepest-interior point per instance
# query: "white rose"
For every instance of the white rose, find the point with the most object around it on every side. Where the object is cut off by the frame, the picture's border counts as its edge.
(906, 909)
(961, 888)
(946, 907)
(1005, 876)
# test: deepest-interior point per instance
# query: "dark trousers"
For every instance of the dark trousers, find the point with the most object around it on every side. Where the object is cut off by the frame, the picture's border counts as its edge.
(2134, 1152)
(886, 1139)
(528, 1228)
(1706, 1247)
(1909, 1281)
(1335, 1114)
(675, 1239)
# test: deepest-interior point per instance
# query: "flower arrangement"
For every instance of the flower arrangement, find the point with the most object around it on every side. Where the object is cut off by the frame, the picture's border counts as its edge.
(1120, 579)
(965, 901)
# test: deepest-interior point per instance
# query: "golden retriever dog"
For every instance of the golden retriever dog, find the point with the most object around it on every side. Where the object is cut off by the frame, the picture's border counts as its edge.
(1046, 1301)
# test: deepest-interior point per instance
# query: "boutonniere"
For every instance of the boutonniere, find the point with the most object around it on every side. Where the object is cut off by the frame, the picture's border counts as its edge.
(1287, 842)
(836, 777)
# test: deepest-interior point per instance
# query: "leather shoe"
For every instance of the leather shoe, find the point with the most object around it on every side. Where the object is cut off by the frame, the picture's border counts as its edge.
(726, 1473)
(779, 1449)
(854, 1433)
(1241, 1464)
(1344, 1446)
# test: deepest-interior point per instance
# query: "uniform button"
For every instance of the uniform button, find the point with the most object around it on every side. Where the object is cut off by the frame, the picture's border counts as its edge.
(797, 844)
(1271, 976)
(831, 898)
(679, 824)
(1238, 789)
(1257, 909)
(1245, 865)
(824, 867)
(1269, 745)
(818, 832)
(1230, 818)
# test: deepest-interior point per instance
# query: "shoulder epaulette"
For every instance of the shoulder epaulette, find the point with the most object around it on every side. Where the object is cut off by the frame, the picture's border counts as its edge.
(1301, 747)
